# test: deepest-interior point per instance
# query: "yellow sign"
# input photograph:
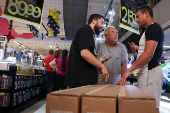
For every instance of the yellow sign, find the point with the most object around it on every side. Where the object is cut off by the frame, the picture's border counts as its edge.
(24, 70)
(128, 18)
(135, 73)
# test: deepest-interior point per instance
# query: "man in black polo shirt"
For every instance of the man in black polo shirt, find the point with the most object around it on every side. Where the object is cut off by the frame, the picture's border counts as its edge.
(82, 63)
(150, 74)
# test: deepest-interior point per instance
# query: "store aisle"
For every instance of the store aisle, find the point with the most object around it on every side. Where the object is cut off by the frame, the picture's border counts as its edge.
(39, 107)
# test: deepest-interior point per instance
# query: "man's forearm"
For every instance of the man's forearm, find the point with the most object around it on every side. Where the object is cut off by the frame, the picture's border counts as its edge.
(141, 61)
(89, 57)
(124, 68)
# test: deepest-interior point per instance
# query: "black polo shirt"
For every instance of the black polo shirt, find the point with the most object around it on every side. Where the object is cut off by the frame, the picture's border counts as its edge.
(79, 71)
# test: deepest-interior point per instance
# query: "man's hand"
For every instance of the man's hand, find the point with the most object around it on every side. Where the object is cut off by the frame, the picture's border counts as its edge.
(101, 59)
(122, 80)
(105, 73)
(134, 47)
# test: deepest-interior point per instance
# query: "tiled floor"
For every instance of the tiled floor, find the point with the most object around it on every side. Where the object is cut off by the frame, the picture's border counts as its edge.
(40, 107)
(165, 103)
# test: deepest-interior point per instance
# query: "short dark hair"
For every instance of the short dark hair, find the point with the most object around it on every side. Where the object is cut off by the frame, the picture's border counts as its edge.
(51, 52)
(146, 8)
(94, 16)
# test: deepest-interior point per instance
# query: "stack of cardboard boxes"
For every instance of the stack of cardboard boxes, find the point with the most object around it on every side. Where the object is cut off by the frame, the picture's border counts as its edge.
(100, 99)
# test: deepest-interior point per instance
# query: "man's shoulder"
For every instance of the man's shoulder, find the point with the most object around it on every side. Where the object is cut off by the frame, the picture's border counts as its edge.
(84, 28)
(154, 26)
(101, 44)
(119, 44)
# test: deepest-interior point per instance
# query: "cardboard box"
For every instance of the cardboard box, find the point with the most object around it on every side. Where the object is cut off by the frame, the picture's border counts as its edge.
(101, 100)
(133, 100)
(67, 101)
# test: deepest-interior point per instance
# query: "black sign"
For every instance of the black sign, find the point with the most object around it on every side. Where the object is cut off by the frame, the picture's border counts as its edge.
(2, 38)
(128, 15)
(24, 10)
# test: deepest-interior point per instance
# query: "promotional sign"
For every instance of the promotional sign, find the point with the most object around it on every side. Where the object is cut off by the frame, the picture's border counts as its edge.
(24, 70)
(25, 11)
(2, 42)
(128, 16)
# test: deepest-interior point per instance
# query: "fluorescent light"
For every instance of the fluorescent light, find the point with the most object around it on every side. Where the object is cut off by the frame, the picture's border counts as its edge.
(110, 12)
(50, 46)
(22, 45)
(167, 46)
(164, 52)
(31, 50)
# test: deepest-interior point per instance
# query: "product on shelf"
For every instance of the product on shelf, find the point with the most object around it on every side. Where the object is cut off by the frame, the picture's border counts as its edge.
(16, 82)
(15, 100)
(19, 83)
(4, 99)
(6, 81)
(23, 96)
(20, 97)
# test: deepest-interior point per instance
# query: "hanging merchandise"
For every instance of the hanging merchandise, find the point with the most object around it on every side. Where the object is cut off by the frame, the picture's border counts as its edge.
(53, 22)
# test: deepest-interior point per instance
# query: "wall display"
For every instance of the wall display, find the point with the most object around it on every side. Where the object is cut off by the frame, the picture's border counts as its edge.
(128, 16)
(25, 11)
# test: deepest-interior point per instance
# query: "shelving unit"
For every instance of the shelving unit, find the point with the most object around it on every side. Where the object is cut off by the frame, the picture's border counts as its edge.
(25, 96)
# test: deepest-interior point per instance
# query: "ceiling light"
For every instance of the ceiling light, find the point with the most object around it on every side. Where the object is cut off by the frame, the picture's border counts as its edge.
(31, 50)
(22, 45)
(110, 12)
(50, 46)
(164, 52)
(167, 46)
(19, 46)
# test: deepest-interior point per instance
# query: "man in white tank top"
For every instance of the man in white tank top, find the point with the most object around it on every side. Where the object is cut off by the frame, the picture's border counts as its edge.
(150, 74)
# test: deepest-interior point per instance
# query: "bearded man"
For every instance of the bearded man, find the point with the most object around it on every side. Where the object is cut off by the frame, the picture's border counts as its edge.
(82, 65)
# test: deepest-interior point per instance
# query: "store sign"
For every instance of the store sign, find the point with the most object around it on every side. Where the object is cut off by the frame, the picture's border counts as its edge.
(25, 11)
(128, 17)
(24, 70)
(2, 42)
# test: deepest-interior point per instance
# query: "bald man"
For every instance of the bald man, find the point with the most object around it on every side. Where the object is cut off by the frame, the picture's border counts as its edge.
(114, 56)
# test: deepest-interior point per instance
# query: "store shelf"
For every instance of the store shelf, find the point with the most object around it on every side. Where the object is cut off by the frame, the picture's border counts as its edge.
(6, 90)
(17, 109)
(24, 75)
(22, 106)
(36, 75)
(21, 89)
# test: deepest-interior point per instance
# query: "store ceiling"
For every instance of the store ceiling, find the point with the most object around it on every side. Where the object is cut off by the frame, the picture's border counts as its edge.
(94, 6)
(39, 45)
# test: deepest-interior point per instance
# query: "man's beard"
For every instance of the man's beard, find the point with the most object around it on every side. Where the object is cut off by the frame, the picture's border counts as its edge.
(97, 30)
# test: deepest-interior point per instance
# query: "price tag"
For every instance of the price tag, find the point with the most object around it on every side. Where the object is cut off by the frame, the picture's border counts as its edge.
(24, 10)
(128, 17)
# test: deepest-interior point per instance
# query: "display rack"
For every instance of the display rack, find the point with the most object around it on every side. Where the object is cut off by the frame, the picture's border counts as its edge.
(18, 99)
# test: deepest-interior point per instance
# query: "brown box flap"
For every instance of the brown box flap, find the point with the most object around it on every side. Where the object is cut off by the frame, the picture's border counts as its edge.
(133, 92)
(75, 91)
(104, 91)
